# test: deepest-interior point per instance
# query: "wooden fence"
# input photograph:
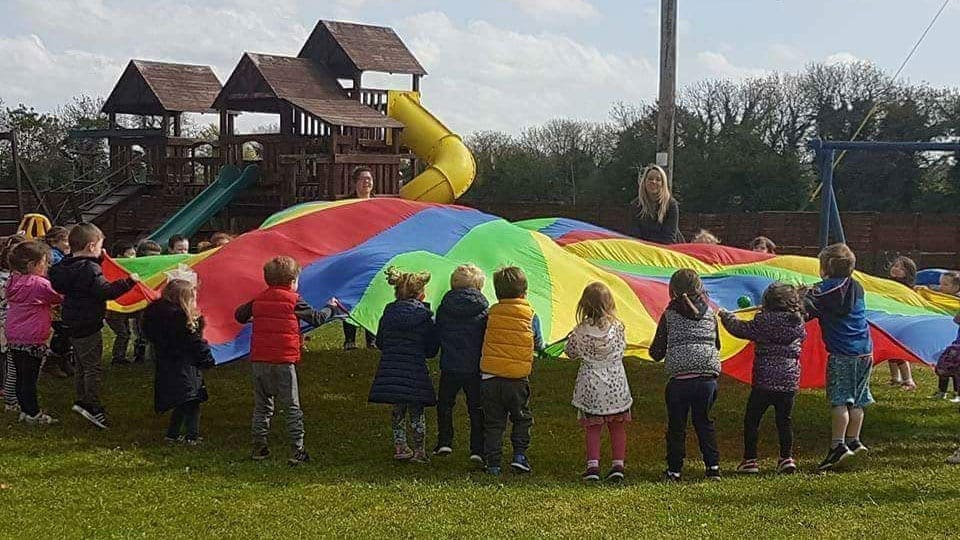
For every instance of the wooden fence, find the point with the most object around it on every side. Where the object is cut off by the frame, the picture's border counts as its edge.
(933, 240)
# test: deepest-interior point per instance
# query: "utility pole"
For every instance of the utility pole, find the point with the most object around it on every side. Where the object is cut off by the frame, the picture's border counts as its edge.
(667, 103)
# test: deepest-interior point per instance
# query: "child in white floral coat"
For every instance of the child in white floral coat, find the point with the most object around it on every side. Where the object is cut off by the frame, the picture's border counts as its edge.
(602, 393)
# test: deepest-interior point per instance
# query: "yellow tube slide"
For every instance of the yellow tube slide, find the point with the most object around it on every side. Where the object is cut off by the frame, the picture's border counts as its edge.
(451, 167)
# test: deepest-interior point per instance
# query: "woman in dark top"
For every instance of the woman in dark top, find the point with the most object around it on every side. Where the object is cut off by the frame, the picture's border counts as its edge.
(659, 212)
(363, 189)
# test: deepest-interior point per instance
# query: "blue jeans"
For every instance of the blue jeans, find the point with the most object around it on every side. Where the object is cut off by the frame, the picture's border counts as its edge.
(694, 398)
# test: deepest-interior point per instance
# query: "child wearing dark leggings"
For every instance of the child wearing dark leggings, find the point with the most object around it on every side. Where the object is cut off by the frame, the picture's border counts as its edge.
(778, 332)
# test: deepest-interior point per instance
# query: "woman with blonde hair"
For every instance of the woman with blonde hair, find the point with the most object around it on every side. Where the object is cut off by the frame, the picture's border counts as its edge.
(659, 213)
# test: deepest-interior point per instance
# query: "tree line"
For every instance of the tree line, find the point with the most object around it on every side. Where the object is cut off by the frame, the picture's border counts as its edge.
(740, 145)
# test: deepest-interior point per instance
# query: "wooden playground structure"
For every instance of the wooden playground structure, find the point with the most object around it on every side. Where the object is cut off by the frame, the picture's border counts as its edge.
(329, 124)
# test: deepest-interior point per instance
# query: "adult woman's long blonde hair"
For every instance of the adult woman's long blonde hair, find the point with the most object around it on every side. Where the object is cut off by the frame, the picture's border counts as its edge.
(655, 209)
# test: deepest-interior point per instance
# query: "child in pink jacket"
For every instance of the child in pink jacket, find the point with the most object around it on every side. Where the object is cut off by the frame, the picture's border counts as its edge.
(29, 299)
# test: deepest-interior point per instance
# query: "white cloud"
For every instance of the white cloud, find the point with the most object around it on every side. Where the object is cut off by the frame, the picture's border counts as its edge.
(785, 56)
(718, 66)
(548, 9)
(481, 76)
(842, 58)
(39, 77)
(485, 77)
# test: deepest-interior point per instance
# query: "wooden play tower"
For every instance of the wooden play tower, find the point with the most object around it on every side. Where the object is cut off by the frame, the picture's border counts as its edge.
(329, 124)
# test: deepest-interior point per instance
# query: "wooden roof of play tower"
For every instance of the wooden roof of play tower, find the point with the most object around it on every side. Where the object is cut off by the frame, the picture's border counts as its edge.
(347, 48)
(155, 88)
(263, 82)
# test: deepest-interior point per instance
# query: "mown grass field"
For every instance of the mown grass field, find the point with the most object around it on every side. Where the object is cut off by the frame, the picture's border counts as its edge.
(69, 480)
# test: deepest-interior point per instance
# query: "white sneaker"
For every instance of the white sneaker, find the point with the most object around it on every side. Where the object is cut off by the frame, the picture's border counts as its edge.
(954, 458)
(41, 419)
(11, 408)
(956, 398)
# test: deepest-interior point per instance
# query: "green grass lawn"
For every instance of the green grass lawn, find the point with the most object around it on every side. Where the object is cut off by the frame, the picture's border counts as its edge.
(70, 480)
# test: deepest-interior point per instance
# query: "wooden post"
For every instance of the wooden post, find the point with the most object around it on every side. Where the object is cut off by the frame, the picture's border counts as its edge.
(16, 173)
(668, 87)
(416, 83)
(286, 119)
(177, 124)
(356, 85)
(165, 125)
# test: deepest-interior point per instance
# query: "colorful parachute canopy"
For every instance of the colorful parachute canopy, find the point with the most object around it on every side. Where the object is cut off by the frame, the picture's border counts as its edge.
(345, 246)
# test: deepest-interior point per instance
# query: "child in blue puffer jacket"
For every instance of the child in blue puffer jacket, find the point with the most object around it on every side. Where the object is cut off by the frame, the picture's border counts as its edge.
(407, 338)
(461, 325)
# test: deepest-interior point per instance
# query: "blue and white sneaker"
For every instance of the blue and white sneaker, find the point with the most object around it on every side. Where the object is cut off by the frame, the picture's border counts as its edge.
(520, 463)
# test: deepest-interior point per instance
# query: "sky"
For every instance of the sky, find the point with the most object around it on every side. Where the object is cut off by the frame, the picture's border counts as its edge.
(493, 65)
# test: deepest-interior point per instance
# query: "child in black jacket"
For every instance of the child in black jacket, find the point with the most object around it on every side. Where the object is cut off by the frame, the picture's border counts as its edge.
(80, 280)
(461, 325)
(175, 330)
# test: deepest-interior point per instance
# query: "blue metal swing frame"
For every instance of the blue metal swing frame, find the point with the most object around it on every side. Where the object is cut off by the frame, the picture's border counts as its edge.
(825, 151)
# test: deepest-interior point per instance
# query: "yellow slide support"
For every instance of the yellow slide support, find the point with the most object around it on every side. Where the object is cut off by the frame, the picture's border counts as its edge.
(451, 167)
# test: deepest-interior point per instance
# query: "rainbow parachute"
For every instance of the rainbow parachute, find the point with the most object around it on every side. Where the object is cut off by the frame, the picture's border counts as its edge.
(345, 246)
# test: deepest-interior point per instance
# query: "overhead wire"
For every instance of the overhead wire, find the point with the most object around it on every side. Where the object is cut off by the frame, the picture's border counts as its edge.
(893, 82)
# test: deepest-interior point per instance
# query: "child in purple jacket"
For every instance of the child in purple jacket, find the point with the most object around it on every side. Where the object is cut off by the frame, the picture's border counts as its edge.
(778, 332)
(29, 298)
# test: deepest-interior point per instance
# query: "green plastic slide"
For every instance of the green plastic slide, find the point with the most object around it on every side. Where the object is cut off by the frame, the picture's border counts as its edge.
(188, 220)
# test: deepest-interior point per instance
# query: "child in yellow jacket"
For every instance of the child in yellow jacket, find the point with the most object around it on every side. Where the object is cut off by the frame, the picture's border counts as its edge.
(512, 338)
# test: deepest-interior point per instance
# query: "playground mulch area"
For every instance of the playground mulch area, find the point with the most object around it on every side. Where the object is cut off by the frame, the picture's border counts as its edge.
(69, 480)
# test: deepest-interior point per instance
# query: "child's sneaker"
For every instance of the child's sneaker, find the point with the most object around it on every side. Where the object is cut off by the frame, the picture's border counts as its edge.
(786, 466)
(956, 398)
(193, 442)
(442, 450)
(261, 453)
(592, 474)
(402, 452)
(300, 456)
(493, 470)
(837, 454)
(41, 419)
(476, 458)
(92, 415)
(15, 408)
(856, 446)
(748, 466)
(712, 472)
(894, 382)
(349, 346)
(420, 456)
(172, 441)
(908, 386)
(670, 476)
(615, 474)
(938, 395)
(520, 463)
(954, 458)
